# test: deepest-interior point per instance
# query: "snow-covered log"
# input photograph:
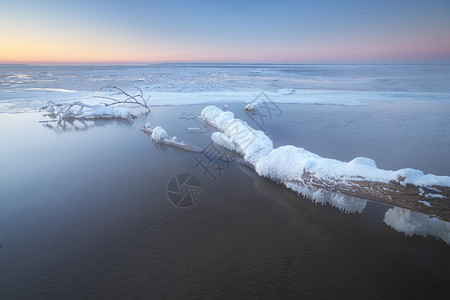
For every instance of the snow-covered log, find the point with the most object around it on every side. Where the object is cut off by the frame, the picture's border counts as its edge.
(160, 135)
(309, 174)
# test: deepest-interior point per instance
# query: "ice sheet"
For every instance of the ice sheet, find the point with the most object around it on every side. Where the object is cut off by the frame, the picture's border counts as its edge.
(25, 88)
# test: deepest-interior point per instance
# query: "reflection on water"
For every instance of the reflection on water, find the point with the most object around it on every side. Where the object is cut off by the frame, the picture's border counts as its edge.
(401, 219)
(64, 125)
(343, 202)
(412, 222)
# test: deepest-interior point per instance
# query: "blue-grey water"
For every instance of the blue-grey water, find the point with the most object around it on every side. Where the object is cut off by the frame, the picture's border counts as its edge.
(85, 211)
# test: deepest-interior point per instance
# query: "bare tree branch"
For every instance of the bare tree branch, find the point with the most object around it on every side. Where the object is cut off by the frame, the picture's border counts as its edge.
(137, 98)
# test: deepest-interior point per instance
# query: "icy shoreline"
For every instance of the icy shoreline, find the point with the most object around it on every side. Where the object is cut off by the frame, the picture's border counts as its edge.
(31, 100)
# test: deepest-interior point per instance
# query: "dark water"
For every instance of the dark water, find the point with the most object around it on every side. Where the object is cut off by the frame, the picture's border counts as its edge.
(84, 214)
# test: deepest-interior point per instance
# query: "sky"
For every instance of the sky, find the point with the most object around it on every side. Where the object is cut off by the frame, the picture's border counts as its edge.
(139, 31)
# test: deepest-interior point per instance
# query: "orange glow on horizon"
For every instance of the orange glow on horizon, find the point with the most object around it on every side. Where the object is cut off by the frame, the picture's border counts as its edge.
(112, 52)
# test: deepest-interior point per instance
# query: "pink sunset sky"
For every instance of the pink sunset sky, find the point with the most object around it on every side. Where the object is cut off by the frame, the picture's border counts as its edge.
(231, 31)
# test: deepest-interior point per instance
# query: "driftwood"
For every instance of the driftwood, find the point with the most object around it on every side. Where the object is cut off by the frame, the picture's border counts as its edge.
(421, 199)
(173, 141)
(119, 96)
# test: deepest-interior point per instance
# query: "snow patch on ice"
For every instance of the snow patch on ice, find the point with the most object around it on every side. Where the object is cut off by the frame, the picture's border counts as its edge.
(286, 91)
(411, 222)
(51, 90)
(194, 129)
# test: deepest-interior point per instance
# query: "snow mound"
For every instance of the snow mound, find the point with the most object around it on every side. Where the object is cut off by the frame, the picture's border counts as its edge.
(289, 163)
(363, 161)
(417, 177)
(237, 135)
(411, 223)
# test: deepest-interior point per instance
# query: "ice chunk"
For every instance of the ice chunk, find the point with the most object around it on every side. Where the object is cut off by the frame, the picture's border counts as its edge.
(194, 129)
(251, 106)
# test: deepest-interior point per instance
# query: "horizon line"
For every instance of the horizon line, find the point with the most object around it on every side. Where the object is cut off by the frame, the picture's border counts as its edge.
(136, 63)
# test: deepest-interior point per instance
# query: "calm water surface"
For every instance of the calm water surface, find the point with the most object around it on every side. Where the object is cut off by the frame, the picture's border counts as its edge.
(85, 213)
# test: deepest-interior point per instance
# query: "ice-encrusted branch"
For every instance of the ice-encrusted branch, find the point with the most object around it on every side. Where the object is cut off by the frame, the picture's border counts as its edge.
(310, 174)
(119, 96)
(80, 110)
(159, 135)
